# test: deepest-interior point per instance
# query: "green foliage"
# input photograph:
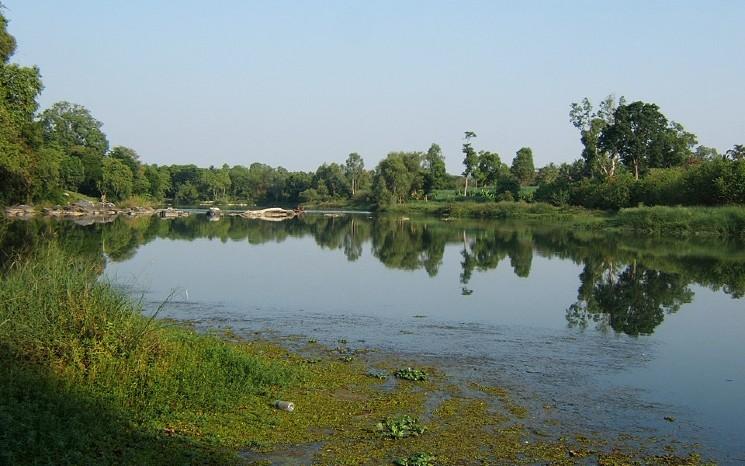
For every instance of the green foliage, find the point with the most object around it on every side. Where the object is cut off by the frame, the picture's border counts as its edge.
(72, 172)
(68, 125)
(400, 427)
(332, 178)
(398, 178)
(613, 193)
(591, 123)
(435, 175)
(187, 194)
(508, 183)
(7, 41)
(490, 168)
(87, 370)
(470, 159)
(737, 152)
(19, 88)
(116, 179)
(722, 221)
(661, 187)
(354, 168)
(644, 139)
(409, 373)
(522, 166)
(417, 459)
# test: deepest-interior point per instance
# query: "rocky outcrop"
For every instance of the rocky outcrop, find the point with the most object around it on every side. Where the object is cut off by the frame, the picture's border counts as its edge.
(272, 213)
(170, 212)
(21, 210)
(98, 211)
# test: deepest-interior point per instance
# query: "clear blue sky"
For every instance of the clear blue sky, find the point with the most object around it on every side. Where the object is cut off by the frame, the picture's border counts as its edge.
(296, 83)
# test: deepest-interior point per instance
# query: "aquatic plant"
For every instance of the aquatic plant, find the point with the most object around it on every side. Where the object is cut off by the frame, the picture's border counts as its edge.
(416, 375)
(417, 459)
(401, 427)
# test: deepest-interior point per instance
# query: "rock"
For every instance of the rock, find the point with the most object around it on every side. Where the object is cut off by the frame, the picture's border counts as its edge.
(83, 204)
(21, 210)
(285, 405)
(272, 213)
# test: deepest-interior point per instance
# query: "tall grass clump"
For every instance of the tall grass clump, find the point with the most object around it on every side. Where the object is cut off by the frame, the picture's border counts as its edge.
(718, 221)
(81, 369)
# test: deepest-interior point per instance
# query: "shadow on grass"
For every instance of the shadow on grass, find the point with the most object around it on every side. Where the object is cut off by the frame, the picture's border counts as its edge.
(44, 420)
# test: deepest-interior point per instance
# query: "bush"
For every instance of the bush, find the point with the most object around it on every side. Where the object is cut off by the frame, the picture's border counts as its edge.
(613, 193)
(661, 186)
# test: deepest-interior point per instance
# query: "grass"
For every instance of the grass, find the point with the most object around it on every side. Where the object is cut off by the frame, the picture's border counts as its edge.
(682, 221)
(499, 210)
(137, 201)
(724, 221)
(82, 371)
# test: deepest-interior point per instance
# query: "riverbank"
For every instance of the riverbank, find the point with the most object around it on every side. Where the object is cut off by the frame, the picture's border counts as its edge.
(88, 379)
(726, 221)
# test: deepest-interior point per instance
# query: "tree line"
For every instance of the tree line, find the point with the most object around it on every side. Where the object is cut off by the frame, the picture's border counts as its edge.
(631, 154)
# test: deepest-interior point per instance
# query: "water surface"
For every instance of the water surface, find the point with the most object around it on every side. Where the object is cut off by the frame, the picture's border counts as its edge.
(613, 333)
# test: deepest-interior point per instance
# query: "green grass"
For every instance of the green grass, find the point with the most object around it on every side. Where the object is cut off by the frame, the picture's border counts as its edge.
(724, 221)
(683, 221)
(137, 201)
(498, 210)
(85, 378)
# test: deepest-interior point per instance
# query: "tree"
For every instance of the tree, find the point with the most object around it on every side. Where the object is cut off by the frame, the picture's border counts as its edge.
(159, 179)
(435, 176)
(353, 169)
(522, 166)
(116, 180)
(187, 193)
(68, 125)
(737, 152)
(331, 176)
(591, 123)
(489, 168)
(7, 41)
(644, 139)
(126, 155)
(703, 153)
(397, 177)
(72, 172)
(20, 160)
(19, 88)
(547, 174)
(470, 160)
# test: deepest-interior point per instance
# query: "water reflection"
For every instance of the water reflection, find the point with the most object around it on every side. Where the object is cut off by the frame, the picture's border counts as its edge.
(627, 284)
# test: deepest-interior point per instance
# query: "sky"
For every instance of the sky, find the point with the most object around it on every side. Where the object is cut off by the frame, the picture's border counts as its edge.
(299, 83)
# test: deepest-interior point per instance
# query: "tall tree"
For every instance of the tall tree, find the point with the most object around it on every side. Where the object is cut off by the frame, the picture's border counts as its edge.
(20, 161)
(490, 168)
(644, 138)
(68, 125)
(116, 180)
(737, 152)
(331, 177)
(354, 167)
(397, 177)
(522, 166)
(435, 176)
(470, 159)
(590, 124)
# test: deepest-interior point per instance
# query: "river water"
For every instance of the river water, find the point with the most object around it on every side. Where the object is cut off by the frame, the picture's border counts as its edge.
(627, 337)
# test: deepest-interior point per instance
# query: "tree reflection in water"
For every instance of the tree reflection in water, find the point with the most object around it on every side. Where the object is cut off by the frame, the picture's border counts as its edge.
(627, 284)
